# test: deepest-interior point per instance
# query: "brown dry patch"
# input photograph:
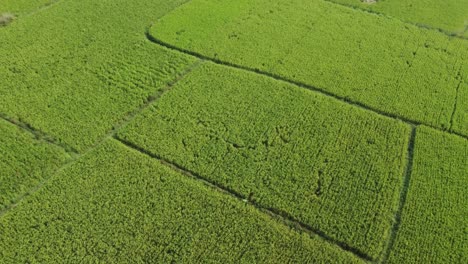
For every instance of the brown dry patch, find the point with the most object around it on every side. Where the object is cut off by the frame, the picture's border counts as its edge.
(6, 19)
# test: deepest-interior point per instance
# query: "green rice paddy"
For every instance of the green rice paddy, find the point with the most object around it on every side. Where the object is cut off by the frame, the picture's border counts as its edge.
(250, 131)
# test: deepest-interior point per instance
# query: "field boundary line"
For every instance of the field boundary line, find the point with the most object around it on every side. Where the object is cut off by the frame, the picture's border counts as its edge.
(150, 100)
(42, 8)
(276, 214)
(403, 195)
(457, 91)
(38, 186)
(277, 77)
(77, 156)
(418, 25)
(39, 135)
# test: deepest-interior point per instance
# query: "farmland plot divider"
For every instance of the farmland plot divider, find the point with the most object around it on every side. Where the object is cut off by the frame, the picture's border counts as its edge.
(403, 195)
(457, 91)
(296, 83)
(75, 156)
(151, 99)
(43, 8)
(39, 135)
(279, 215)
(419, 25)
(37, 187)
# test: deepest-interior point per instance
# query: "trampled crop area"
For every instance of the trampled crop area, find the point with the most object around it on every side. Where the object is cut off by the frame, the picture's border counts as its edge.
(250, 131)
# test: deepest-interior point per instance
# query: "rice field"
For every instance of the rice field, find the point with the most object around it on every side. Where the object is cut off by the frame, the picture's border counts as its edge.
(249, 131)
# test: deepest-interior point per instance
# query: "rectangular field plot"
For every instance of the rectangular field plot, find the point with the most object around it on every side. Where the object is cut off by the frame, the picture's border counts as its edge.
(120, 206)
(434, 219)
(74, 71)
(448, 15)
(24, 162)
(332, 166)
(382, 63)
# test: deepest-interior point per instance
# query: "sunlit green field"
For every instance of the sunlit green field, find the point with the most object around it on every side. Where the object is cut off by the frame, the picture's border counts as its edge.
(248, 131)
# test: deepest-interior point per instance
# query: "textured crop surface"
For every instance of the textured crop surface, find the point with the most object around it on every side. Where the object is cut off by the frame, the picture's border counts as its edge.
(379, 62)
(24, 162)
(78, 68)
(119, 206)
(448, 15)
(434, 226)
(234, 131)
(459, 121)
(283, 148)
(24, 7)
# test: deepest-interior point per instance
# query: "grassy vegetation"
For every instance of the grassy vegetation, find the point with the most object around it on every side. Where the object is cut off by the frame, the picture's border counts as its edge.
(376, 61)
(22, 7)
(448, 15)
(24, 162)
(248, 131)
(119, 206)
(434, 221)
(73, 74)
(459, 121)
(284, 148)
